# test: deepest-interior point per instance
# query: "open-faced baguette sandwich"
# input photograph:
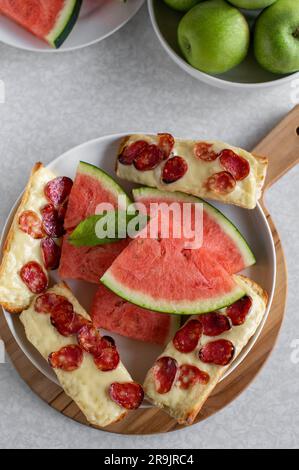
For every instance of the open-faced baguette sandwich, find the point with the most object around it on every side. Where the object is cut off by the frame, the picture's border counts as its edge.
(208, 169)
(87, 365)
(192, 364)
(32, 246)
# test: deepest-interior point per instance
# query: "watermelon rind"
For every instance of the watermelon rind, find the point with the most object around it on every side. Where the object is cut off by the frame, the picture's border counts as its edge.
(176, 307)
(106, 180)
(65, 23)
(227, 226)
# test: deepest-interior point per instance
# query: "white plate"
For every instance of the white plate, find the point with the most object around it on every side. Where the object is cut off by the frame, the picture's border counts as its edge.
(138, 356)
(247, 76)
(98, 20)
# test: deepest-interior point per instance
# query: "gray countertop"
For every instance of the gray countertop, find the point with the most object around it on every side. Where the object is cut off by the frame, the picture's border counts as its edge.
(56, 101)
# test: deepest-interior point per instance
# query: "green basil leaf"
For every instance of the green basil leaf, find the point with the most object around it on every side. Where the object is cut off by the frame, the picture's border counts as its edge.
(104, 228)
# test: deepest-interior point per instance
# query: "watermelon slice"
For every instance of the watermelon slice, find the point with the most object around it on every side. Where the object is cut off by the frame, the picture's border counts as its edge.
(119, 316)
(88, 263)
(161, 275)
(92, 186)
(220, 236)
(50, 20)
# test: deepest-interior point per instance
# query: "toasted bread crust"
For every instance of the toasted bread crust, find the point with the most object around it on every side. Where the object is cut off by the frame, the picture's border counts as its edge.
(187, 418)
(11, 308)
(121, 148)
(62, 288)
(256, 287)
(64, 285)
(264, 296)
(260, 170)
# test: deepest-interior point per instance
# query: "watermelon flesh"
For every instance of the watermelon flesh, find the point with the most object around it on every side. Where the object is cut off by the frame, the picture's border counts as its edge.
(87, 194)
(88, 263)
(220, 236)
(91, 187)
(163, 276)
(50, 20)
(119, 316)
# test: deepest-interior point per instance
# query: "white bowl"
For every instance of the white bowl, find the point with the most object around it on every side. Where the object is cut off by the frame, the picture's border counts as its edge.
(98, 19)
(246, 76)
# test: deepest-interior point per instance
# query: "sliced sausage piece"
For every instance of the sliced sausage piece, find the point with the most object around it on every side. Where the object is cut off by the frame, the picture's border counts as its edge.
(149, 158)
(132, 151)
(221, 183)
(174, 169)
(128, 395)
(190, 375)
(49, 303)
(52, 223)
(239, 310)
(220, 352)
(33, 275)
(51, 253)
(30, 223)
(186, 339)
(108, 359)
(58, 190)
(166, 144)
(236, 165)
(164, 372)
(203, 151)
(68, 358)
(214, 323)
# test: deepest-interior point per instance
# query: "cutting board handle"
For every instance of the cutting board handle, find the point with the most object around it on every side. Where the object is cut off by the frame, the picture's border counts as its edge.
(281, 146)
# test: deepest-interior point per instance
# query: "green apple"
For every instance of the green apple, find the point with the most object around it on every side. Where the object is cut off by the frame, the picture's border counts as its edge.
(276, 37)
(214, 36)
(252, 4)
(182, 5)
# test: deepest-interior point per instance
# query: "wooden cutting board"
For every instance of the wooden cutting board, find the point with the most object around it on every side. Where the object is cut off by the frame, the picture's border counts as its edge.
(150, 421)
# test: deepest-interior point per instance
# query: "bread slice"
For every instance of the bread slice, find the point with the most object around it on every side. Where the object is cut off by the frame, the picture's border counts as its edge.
(245, 193)
(19, 247)
(185, 404)
(87, 386)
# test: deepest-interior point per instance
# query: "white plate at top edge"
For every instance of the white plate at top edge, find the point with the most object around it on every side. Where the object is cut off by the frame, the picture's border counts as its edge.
(98, 19)
(252, 224)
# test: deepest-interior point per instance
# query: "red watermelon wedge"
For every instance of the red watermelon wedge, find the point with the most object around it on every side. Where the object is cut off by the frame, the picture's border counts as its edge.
(119, 316)
(92, 186)
(160, 275)
(88, 263)
(50, 20)
(220, 236)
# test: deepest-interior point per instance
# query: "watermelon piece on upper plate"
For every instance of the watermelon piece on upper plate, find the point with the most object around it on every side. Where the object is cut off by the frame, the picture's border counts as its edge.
(119, 316)
(50, 20)
(92, 187)
(220, 236)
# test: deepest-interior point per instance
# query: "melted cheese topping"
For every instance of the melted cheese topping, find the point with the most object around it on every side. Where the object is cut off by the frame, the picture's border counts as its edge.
(185, 404)
(245, 194)
(87, 386)
(23, 247)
